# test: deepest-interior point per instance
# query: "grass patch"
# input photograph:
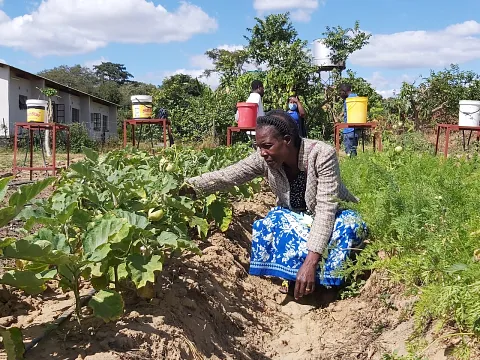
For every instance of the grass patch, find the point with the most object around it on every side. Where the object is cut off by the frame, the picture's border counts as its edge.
(423, 213)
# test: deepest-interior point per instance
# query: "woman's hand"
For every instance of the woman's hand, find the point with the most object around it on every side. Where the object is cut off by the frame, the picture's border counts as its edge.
(305, 283)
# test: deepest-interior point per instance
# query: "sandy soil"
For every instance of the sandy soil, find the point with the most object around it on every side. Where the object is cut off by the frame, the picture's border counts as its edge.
(208, 307)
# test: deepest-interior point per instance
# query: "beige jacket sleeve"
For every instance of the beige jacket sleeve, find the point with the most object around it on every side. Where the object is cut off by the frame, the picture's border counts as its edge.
(233, 175)
(328, 191)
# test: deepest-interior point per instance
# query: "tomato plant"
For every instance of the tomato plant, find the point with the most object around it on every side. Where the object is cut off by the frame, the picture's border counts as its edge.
(114, 219)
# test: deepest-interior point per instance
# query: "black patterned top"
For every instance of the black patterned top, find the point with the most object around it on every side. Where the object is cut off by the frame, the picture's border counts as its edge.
(297, 192)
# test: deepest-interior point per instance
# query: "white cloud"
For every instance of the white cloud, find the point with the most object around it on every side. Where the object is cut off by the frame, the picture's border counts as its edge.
(388, 86)
(1, 60)
(458, 43)
(1, 2)
(301, 10)
(65, 27)
(91, 63)
(199, 64)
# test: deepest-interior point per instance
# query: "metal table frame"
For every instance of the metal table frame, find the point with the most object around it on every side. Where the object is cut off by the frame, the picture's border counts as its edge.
(30, 127)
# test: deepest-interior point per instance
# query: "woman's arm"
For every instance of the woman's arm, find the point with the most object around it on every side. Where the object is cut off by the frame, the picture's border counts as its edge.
(301, 110)
(327, 195)
(233, 175)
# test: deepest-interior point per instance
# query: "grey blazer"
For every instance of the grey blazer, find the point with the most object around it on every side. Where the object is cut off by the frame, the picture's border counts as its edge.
(323, 192)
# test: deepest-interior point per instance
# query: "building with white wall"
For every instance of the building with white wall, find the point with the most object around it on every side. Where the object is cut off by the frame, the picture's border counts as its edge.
(71, 106)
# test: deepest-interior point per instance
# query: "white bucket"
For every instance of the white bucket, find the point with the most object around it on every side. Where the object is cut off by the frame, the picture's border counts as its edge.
(142, 107)
(469, 114)
(37, 111)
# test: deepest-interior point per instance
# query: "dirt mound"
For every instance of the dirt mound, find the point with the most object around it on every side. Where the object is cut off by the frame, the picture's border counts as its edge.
(208, 307)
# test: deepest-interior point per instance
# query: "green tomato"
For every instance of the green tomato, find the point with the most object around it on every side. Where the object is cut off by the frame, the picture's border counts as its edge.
(169, 168)
(398, 149)
(155, 215)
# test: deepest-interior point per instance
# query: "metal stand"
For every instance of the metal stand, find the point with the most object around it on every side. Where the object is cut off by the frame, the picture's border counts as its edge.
(30, 128)
(232, 129)
(133, 123)
(448, 129)
(377, 136)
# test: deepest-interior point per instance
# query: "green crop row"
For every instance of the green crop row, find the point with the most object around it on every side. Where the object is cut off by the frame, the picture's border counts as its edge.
(112, 220)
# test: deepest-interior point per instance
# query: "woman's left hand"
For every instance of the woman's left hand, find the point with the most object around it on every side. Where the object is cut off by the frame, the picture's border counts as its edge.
(305, 283)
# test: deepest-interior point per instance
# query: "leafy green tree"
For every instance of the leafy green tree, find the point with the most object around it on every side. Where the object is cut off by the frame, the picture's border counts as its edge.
(108, 71)
(77, 77)
(228, 64)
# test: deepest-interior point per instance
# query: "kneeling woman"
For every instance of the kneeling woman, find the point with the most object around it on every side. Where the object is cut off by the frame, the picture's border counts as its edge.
(290, 241)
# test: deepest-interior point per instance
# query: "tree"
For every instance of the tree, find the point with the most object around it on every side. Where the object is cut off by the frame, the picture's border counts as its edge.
(77, 77)
(49, 94)
(108, 71)
(228, 64)
(345, 41)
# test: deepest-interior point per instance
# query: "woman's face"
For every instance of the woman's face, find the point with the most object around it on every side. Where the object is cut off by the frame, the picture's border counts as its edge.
(274, 148)
(292, 104)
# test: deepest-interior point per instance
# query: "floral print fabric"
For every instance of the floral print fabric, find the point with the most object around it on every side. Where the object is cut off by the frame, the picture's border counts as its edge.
(279, 244)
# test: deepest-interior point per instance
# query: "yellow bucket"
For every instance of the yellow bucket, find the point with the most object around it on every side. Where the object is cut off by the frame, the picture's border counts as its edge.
(37, 111)
(357, 110)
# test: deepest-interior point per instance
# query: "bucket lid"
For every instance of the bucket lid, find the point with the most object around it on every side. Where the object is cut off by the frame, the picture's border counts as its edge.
(469, 102)
(141, 98)
(35, 102)
(357, 99)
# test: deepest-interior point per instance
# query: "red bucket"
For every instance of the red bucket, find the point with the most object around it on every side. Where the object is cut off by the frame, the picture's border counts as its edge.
(247, 114)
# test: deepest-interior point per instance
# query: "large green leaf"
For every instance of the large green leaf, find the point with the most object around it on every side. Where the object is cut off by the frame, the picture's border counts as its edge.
(90, 154)
(13, 343)
(107, 229)
(4, 186)
(7, 214)
(142, 269)
(107, 305)
(201, 225)
(40, 251)
(27, 192)
(58, 241)
(138, 221)
(222, 213)
(168, 239)
(28, 281)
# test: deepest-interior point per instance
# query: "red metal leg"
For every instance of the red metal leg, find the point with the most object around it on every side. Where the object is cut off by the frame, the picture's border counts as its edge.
(133, 134)
(164, 134)
(337, 139)
(229, 136)
(447, 140)
(15, 149)
(438, 139)
(68, 146)
(54, 149)
(31, 154)
(124, 133)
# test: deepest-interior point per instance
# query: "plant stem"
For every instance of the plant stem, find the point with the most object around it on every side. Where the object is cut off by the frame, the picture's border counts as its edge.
(115, 271)
(76, 291)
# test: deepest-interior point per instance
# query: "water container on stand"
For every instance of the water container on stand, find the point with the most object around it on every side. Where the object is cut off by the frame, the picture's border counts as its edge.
(247, 114)
(469, 114)
(37, 111)
(357, 109)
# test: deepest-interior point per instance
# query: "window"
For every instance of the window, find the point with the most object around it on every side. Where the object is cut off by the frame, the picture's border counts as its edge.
(75, 115)
(97, 121)
(22, 102)
(105, 123)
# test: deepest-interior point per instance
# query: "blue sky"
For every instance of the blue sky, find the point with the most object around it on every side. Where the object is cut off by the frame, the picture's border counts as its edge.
(160, 38)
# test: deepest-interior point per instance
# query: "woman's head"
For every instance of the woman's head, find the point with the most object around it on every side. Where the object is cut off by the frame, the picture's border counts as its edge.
(277, 137)
(292, 103)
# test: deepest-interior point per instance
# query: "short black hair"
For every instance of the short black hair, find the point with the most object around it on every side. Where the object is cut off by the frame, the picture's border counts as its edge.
(283, 124)
(256, 84)
(346, 87)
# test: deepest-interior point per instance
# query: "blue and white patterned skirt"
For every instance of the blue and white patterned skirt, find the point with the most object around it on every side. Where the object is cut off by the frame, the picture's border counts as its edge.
(279, 245)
